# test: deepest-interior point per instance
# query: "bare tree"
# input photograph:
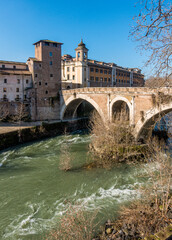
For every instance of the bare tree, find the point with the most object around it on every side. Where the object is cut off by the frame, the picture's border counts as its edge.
(4, 112)
(153, 29)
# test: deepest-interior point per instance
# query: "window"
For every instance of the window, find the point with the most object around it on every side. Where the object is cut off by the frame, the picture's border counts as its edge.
(73, 69)
(17, 89)
(39, 83)
(4, 90)
(14, 67)
(40, 65)
(51, 63)
(27, 81)
(25, 97)
(50, 54)
(119, 80)
(73, 77)
(46, 83)
(4, 96)
(105, 79)
(67, 69)
(101, 71)
(54, 44)
(68, 76)
(36, 74)
(91, 69)
(101, 79)
(78, 54)
(3, 66)
(17, 96)
(109, 79)
(85, 69)
(46, 92)
(46, 43)
(5, 80)
(97, 70)
(92, 78)
(109, 72)
(105, 71)
(97, 79)
(51, 75)
(18, 81)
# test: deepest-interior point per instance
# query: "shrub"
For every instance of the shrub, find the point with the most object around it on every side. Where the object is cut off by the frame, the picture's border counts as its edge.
(65, 156)
(76, 224)
(112, 142)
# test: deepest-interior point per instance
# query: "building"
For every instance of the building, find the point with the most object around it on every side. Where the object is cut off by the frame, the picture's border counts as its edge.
(46, 78)
(79, 71)
(36, 83)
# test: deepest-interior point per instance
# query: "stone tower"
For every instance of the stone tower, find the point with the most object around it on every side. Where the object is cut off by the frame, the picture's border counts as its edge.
(46, 74)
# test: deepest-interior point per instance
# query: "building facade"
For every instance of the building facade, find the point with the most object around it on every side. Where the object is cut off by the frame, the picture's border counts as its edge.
(36, 83)
(83, 72)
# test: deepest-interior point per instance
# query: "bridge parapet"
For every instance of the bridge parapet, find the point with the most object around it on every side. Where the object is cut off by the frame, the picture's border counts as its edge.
(137, 90)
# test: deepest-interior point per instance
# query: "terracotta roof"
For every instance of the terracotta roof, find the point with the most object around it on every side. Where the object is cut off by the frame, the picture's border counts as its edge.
(13, 72)
(34, 59)
(46, 40)
(12, 62)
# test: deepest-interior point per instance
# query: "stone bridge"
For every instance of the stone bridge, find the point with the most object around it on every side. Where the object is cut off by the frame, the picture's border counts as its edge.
(142, 104)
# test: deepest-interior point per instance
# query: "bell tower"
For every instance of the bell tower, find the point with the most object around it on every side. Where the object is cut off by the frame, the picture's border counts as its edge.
(81, 65)
(81, 52)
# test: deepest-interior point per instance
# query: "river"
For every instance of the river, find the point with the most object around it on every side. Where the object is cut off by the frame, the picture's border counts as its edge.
(34, 193)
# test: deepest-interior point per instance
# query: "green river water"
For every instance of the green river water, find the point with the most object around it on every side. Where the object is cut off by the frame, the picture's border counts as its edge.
(34, 193)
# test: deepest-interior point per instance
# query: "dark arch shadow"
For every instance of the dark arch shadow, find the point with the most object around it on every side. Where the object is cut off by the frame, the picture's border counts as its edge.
(159, 122)
(78, 108)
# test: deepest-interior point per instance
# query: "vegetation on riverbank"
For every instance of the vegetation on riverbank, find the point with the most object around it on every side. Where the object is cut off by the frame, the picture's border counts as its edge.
(146, 218)
(113, 142)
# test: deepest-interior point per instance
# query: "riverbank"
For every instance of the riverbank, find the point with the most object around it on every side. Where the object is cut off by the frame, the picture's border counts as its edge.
(13, 134)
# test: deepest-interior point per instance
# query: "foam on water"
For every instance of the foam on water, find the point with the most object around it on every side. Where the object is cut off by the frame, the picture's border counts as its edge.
(4, 157)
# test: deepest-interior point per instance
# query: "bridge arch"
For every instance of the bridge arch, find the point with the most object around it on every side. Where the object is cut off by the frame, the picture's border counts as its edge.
(73, 102)
(117, 103)
(143, 126)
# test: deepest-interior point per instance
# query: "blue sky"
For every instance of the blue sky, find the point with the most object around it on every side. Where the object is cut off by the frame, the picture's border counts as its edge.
(103, 25)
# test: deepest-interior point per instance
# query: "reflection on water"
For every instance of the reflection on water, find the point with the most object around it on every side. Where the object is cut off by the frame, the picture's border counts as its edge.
(34, 193)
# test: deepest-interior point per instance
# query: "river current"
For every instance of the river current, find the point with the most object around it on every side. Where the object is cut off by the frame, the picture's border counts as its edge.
(34, 192)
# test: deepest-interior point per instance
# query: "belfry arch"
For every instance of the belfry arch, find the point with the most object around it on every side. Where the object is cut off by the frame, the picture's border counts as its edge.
(72, 104)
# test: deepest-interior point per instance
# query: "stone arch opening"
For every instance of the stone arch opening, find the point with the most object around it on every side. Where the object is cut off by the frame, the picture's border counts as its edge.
(78, 107)
(146, 125)
(120, 109)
